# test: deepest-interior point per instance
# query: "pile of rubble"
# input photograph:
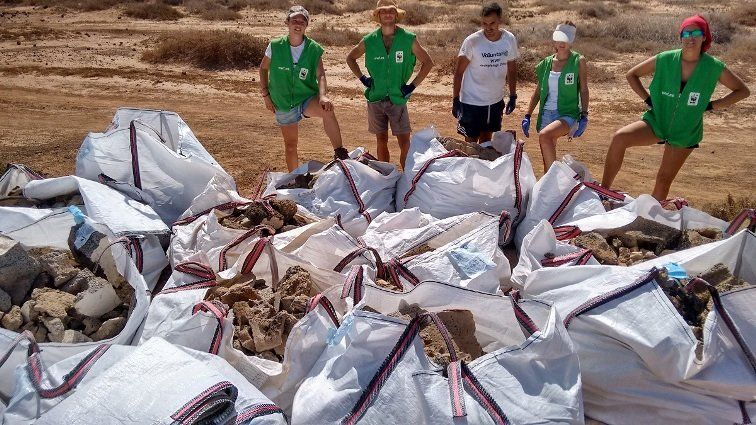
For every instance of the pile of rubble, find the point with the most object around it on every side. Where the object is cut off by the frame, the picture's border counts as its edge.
(473, 150)
(642, 240)
(301, 181)
(16, 198)
(50, 294)
(264, 315)
(279, 215)
(694, 303)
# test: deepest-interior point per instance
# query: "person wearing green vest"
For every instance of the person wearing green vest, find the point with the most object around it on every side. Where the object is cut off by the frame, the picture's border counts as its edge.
(680, 92)
(390, 56)
(562, 92)
(293, 85)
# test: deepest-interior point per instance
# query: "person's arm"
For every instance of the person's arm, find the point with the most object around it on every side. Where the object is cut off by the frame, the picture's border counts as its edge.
(264, 68)
(427, 62)
(459, 72)
(646, 67)
(584, 93)
(354, 54)
(325, 102)
(739, 90)
(512, 77)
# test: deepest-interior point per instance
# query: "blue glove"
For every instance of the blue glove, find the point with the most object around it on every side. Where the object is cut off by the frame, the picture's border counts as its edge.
(457, 108)
(511, 104)
(526, 125)
(366, 81)
(407, 89)
(582, 125)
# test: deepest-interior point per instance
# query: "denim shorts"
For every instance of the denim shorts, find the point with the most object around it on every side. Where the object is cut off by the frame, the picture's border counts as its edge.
(294, 115)
(550, 116)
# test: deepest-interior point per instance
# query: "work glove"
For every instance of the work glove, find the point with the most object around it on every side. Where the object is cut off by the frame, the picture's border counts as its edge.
(340, 153)
(511, 104)
(582, 125)
(526, 125)
(648, 103)
(457, 108)
(366, 81)
(407, 89)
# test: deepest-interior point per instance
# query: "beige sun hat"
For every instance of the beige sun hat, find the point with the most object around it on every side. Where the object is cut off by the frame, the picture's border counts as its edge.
(388, 4)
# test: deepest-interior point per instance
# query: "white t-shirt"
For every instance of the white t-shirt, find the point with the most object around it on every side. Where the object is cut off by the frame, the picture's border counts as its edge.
(485, 77)
(551, 99)
(296, 52)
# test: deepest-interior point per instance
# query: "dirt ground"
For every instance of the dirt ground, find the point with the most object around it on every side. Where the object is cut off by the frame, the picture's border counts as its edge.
(63, 74)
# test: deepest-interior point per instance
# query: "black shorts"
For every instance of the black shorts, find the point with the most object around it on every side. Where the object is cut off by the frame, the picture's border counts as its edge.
(480, 119)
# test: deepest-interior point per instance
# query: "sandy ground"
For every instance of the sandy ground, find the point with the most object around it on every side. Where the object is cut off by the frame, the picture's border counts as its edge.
(63, 74)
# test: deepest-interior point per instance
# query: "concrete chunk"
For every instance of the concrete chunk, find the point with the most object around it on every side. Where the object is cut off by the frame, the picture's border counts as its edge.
(71, 336)
(52, 302)
(12, 320)
(17, 269)
(97, 300)
(109, 329)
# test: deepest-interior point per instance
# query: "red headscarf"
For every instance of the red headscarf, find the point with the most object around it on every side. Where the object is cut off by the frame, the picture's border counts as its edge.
(700, 22)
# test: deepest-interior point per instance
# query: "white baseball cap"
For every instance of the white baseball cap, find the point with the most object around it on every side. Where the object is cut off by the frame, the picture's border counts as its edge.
(564, 33)
(298, 10)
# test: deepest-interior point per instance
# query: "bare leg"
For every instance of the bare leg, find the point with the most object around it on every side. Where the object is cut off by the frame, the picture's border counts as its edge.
(485, 136)
(291, 135)
(672, 161)
(638, 133)
(404, 143)
(330, 124)
(383, 151)
(547, 138)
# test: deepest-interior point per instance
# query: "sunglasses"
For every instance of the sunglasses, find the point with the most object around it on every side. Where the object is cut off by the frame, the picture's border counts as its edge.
(694, 33)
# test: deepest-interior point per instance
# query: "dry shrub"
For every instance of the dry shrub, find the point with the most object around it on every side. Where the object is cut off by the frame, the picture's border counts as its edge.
(357, 6)
(600, 74)
(211, 10)
(153, 11)
(448, 37)
(527, 62)
(316, 7)
(741, 49)
(744, 14)
(418, 13)
(722, 27)
(213, 50)
(596, 10)
(332, 36)
(549, 6)
(172, 2)
(80, 5)
(730, 207)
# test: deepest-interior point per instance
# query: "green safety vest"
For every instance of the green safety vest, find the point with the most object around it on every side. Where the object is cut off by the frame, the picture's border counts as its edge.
(291, 84)
(389, 70)
(568, 100)
(677, 118)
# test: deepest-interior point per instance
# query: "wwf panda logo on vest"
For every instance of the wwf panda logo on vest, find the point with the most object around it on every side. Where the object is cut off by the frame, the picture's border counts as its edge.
(400, 56)
(693, 98)
(303, 73)
(569, 79)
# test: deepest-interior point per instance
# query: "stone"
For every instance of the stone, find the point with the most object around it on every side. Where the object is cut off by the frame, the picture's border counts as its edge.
(276, 221)
(721, 277)
(97, 300)
(78, 283)
(17, 269)
(55, 328)
(692, 238)
(268, 355)
(288, 227)
(650, 235)
(5, 301)
(239, 292)
(12, 320)
(86, 244)
(711, 233)
(39, 331)
(246, 340)
(52, 302)
(91, 325)
(60, 265)
(268, 333)
(286, 207)
(599, 247)
(296, 281)
(109, 329)
(28, 312)
(637, 239)
(71, 336)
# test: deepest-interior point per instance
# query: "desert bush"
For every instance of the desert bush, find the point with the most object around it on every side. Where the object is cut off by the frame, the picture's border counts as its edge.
(730, 207)
(214, 50)
(741, 49)
(269, 4)
(596, 10)
(722, 27)
(744, 14)
(211, 10)
(332, 36)
(447, 37)
(418, 13)
(153, 11)
(527, 62)
(80, 5)
(356, 6)
(316, 7)
(172, 2)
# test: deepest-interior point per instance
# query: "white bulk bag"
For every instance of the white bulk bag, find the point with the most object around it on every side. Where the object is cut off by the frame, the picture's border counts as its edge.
(375, 371)
(134, 158)
(154, 383)
(639, 358)
(446, 183)
(16, 176)
(354, 190)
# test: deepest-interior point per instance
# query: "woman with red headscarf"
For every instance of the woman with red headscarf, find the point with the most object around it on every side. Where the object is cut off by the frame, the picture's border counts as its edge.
(680, 92)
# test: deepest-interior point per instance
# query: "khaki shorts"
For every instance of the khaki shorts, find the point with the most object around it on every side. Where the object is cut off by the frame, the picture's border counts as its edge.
(383, 113)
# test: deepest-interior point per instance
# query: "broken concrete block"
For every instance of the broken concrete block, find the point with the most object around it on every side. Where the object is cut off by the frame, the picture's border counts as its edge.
(91, 325)
(598, 246)
(268, 333)
(55, 328)
(12, 320)
(60, 265)
(28, 312)
(109, 329)
(246, 340)
(52, 302)
(692, 238)
(97, 300)
(71, 336)
(80, 282)
(17, 269)
(5, 302)
(295, 282)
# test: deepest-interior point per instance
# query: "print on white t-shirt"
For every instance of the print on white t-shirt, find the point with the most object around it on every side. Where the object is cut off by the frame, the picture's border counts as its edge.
(486, 76)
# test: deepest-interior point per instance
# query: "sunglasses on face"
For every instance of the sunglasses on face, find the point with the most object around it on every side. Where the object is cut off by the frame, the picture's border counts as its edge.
(694, 33)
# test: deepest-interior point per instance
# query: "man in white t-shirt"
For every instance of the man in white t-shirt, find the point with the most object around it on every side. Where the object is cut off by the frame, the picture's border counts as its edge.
(486, 62)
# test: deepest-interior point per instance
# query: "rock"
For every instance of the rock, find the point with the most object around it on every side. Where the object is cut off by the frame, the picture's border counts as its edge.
(269, 355)
(17, 269)
(711, 233)
(239, 292)
(691, 238)
(86, 244)
(91, 325)
(60, 265)
(5, 302)
(52, 302)
(287, 208)
(55, 328)
(12, 320)
(71, 336)
(296, 281)
(256, 212)
(28, 312)
(268, 333)
(276, 221)
(599, 247)
(109, 329)
(39, 331)
(246, 340)
(97, 300)
(288, 227)
(649, 234)
(721, 277)
(43, 280)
